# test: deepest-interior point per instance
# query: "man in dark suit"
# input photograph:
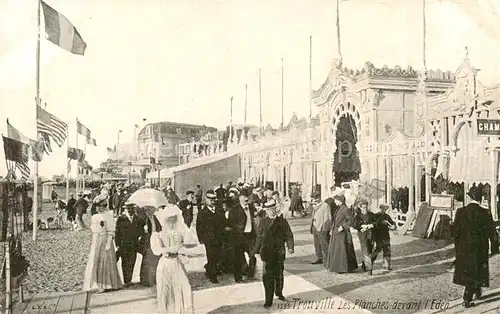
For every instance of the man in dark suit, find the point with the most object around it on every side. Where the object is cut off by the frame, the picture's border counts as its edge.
(210, 228)
(221, 193)
(118, 201)
(473, 229)
(186, 206)
(129, 229)
(242, 224)
(272, 235)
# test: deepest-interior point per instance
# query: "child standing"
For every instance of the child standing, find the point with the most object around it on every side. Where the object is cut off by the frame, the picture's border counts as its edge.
(383, 223)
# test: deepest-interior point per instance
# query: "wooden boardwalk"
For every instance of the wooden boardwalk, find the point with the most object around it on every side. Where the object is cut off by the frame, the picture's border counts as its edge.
(49, 303)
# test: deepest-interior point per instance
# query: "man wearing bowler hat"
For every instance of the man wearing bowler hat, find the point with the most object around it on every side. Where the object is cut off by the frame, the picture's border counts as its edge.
(473, 229)
(272, 234)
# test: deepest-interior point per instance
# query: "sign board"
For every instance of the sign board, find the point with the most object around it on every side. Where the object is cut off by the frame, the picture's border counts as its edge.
(442, 201)
(488, 127)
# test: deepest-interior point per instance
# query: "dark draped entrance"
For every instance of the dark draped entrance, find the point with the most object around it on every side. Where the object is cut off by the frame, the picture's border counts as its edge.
(346, 165)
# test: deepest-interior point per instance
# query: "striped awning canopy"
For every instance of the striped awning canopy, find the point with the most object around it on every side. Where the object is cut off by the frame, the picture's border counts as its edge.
(471, 162)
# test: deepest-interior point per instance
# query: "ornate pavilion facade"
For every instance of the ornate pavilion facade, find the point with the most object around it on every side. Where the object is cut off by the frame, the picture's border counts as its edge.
(409, 127)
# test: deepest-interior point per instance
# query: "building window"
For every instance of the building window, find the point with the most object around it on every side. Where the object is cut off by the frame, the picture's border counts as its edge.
(154, 152)
(179, 131)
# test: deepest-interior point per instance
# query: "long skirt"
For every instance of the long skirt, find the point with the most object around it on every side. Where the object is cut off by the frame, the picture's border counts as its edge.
(148, 268)
(173, 290)
(341, 256)
(101, 272)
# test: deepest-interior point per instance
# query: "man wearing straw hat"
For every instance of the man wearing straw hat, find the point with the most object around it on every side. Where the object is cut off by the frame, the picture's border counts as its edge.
(272, 234)
(210, 228)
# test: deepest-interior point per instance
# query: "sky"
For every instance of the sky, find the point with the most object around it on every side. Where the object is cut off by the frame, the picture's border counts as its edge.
(182, 60)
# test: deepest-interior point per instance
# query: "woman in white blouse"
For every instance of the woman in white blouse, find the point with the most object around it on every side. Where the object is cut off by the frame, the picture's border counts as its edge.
(102, 271)
(174, 294)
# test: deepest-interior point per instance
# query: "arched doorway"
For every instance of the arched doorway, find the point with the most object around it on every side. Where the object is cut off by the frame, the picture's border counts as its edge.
(346, 163)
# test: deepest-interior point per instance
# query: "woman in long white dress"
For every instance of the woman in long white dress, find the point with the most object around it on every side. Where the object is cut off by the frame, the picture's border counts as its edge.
(102, 271)
(174, 294)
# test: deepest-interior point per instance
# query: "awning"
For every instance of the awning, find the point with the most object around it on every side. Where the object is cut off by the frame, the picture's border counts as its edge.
(401, 172)
(471, 162)
(164, 173)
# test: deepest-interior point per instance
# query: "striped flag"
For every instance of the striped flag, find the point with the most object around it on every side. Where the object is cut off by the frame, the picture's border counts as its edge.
(61, 32)
(51, 125)
(47, 147)
(24, 169)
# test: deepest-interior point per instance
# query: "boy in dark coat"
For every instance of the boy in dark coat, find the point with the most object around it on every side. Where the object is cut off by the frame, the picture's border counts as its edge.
(272, 234)
(380, 233)
(473, 229)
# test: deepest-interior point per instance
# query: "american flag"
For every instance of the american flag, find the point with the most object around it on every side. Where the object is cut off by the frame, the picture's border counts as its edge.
(24, 169)
(49, 124)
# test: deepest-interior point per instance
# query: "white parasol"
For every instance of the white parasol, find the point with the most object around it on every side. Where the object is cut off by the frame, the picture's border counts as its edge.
(148, 197)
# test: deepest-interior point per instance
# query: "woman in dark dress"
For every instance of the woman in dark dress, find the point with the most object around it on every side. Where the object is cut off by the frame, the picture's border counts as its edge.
(341, 255)
(149, 259)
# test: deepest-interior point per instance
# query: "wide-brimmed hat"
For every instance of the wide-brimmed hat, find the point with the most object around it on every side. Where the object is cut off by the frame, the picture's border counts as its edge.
(270, 204)
(362, 202)
(275, 193)
(210, 194)
(234, 190)
(475, 193)
(258, 189)
(384, 206)
(129, 205)
(101, 200)
(339, 197)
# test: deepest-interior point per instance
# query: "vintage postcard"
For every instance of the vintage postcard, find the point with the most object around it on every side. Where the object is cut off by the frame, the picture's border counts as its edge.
(238, 156)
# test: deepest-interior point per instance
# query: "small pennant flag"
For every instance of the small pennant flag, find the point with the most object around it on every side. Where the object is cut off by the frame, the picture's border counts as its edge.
(61, 32)
(91, 141)
(83, 130)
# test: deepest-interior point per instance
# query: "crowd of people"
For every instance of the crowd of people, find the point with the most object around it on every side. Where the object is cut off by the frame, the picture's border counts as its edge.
(331, 225)
(240, 220)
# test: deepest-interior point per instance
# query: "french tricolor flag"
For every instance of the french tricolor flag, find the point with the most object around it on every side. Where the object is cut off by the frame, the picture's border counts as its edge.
(61, 32)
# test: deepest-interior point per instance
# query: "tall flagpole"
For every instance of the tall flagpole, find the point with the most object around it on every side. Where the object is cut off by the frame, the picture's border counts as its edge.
(67, 165)
(282, 94)
(35, 186)
(83, 173)
(310, 76)
(338, 31)
(231, 121)
(260, 100)
(246, 102)
(77, 166)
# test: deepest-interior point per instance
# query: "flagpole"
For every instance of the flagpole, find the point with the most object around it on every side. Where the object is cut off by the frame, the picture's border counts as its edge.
(231, 121)
(246, 102)
(282, 94)
(35, 185)
(67, 165)
(77, 166)
(260, 100)
(310, 76)
(83, 173)
(338, 31)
